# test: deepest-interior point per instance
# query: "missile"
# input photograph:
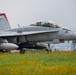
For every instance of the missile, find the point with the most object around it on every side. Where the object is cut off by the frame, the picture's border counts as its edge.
(8, 46)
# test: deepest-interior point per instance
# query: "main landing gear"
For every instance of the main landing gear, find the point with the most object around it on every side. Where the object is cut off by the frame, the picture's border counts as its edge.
(22, 51)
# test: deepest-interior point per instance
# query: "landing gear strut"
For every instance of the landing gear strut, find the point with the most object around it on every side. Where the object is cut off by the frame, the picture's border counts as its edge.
(49, 49)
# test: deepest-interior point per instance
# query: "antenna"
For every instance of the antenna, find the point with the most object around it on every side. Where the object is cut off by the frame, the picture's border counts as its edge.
(18, 25)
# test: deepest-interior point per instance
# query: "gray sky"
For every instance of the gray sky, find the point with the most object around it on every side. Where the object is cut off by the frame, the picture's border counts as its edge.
(25, 12)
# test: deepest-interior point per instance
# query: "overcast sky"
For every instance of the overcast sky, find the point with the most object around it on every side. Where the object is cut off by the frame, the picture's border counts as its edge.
(25, 12)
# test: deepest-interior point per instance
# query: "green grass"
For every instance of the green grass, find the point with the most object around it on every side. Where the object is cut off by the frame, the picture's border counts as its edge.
(38, 63)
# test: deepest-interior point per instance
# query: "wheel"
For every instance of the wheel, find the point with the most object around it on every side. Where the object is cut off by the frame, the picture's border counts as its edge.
(2, 51)
(22, 51)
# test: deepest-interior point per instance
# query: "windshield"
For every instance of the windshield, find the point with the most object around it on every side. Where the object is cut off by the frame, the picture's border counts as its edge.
(46, 24)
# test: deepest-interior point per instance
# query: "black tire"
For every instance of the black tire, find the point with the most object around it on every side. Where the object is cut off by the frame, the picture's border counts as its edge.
(22, 51)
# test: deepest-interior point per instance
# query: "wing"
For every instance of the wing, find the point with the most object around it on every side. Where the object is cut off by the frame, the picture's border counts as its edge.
(12, 34)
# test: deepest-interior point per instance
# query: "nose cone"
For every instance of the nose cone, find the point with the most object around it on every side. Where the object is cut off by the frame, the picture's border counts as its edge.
(13, 46)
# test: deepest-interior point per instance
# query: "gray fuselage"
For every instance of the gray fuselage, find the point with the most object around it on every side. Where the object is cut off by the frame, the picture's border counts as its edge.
(62, 34)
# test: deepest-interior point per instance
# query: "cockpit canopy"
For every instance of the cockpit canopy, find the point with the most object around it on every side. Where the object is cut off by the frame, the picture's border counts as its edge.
(46, 24)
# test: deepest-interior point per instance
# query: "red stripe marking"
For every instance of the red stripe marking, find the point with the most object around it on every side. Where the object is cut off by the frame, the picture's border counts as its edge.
(3, 14)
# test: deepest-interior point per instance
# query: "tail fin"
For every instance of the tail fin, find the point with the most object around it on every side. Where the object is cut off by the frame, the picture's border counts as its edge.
(4, 24)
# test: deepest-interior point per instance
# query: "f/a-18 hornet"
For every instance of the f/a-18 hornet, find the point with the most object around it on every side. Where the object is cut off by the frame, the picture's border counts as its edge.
(28, 37)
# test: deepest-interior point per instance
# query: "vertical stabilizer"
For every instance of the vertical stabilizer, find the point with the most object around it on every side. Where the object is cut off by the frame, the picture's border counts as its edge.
(4, 24)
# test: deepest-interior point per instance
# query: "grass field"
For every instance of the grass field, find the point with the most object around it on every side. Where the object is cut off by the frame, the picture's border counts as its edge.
(38, 63)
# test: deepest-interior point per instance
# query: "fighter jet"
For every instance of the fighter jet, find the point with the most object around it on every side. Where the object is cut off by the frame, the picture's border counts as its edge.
(28, 37)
